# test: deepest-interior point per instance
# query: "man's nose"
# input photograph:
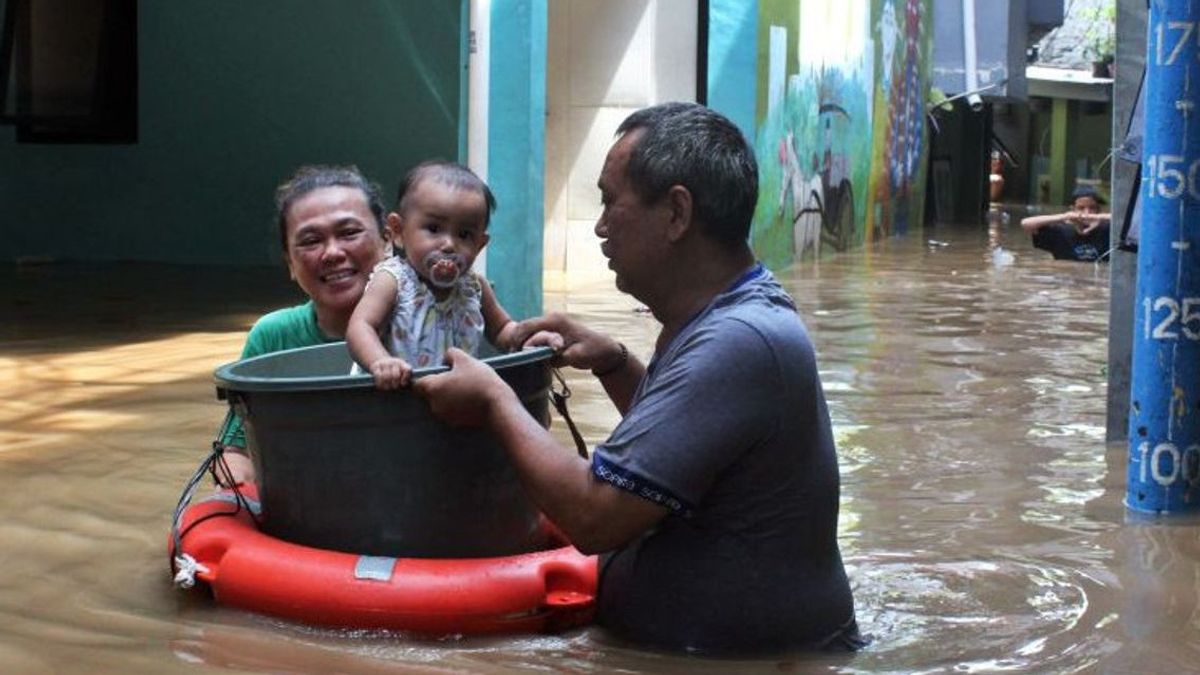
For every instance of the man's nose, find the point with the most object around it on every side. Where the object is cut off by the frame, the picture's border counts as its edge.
(601, 228)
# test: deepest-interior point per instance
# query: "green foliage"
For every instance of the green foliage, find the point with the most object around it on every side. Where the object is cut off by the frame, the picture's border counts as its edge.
(939, 101)
(1100, 37)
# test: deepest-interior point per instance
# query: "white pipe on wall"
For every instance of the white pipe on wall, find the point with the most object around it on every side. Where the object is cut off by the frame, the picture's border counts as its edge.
(972, 74)
(478, 63)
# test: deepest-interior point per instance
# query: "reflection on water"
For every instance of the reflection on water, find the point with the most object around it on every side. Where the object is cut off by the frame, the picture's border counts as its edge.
(982, 522)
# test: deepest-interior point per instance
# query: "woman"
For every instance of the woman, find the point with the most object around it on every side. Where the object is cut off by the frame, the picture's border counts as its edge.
(330, 230)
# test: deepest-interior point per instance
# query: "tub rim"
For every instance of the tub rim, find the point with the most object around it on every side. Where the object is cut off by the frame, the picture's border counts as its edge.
(228, 380)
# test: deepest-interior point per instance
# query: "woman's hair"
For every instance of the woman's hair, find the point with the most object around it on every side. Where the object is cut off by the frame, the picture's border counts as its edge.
(312, 177)
(451, 174)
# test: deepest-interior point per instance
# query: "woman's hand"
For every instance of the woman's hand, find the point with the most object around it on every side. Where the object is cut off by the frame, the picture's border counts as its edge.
(391, 372)
(241, 467)
(468, 394)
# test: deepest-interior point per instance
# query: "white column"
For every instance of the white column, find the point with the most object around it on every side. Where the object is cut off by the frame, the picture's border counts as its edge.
(477, 97)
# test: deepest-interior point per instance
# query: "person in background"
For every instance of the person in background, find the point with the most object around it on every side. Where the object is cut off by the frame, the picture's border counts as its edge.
(1079, 234)
(996, 177)
(330, 230)
(715, 500)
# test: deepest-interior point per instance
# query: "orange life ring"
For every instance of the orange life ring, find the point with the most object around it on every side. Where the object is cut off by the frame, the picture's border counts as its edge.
(544, 591)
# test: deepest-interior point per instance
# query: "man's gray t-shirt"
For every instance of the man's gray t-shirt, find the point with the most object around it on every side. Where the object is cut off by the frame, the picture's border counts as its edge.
(729, 429)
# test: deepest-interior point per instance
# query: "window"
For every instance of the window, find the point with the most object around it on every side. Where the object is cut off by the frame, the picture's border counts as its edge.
(68, 70)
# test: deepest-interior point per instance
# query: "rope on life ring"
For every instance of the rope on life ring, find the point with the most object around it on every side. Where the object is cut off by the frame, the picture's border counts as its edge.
(183, 566)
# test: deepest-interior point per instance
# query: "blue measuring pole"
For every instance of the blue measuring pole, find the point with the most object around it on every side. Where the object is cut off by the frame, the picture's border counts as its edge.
(1164, 420)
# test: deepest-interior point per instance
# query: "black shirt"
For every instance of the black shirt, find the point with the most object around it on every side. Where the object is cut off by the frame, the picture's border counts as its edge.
(1064, 242)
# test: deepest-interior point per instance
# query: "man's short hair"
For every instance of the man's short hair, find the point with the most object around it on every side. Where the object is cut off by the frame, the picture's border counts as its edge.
(690, 145)
(1086, 191)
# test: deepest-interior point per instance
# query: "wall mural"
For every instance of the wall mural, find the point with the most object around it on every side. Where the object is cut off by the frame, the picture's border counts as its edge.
(841, 130)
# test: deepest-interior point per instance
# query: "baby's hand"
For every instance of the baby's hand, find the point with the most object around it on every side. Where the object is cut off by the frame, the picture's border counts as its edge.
(545, 338)
(391, 372)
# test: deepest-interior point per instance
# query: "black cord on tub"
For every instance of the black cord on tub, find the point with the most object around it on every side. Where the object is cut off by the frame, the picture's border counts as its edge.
(184, 566)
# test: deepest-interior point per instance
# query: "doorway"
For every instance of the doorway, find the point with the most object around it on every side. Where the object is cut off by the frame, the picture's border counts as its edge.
(604, 60)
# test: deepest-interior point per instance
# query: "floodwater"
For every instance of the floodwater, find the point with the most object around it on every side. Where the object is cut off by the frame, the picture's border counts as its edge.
(982, 520)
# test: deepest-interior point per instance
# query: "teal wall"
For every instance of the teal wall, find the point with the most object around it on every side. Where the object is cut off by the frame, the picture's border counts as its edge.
(516, 152)
(233, 96)
(732, 54)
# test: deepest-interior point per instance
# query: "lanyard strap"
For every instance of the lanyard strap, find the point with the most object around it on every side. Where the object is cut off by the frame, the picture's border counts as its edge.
(559, 400)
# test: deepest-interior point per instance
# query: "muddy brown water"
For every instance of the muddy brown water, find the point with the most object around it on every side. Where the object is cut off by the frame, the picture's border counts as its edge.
(982, 521)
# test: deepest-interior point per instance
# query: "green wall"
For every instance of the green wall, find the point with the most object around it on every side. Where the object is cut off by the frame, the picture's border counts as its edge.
(233, 96)
(1088, 133)
(1095, 138)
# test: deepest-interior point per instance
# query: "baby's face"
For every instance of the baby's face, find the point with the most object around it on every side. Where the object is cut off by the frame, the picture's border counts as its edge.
(441, 230)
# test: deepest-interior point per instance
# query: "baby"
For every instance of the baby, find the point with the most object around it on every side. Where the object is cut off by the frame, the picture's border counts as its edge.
(425, 298)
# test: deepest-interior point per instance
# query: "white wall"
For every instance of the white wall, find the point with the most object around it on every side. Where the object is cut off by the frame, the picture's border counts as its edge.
(605, 59)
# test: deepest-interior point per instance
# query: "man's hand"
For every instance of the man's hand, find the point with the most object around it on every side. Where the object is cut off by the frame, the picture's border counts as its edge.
(391, 372)
(467, 394)
(580, 347)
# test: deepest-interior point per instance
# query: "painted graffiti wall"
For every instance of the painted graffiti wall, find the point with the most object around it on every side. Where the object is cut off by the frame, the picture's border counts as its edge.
(840, 126)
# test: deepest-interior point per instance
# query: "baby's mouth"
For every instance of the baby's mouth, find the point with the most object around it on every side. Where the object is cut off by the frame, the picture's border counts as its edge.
(443, 269)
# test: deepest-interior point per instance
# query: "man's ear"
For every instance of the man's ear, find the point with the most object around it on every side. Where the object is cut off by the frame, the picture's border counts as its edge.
(679, 203)
(288, 259)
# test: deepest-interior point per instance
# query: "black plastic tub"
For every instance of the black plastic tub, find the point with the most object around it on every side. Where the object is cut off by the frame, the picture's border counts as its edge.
(344, 466)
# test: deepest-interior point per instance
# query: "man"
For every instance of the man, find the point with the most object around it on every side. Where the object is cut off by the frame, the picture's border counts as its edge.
(1079, 234)
(715, 499)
